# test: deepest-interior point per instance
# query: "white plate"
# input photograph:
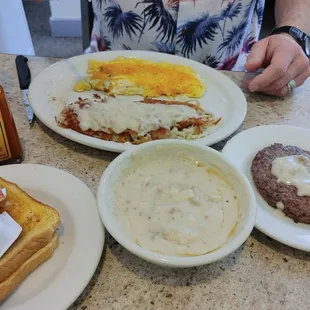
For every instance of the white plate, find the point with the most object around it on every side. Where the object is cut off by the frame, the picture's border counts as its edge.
(58, 282)
(241, 150)
(223, 97)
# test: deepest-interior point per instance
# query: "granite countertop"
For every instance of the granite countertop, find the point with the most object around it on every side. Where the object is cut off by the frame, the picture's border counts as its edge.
(262, 274)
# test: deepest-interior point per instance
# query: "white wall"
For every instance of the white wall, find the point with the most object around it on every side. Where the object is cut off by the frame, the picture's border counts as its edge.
(65, 9)
(14, 32)
(65, 20)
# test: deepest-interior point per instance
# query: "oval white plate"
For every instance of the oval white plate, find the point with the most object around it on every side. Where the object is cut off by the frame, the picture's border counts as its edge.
(54, 86)
(58, 282)
(241, 150)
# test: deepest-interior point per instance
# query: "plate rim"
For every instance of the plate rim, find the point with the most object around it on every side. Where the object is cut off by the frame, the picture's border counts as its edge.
(258, 225)
(34, 301)
(225, 132)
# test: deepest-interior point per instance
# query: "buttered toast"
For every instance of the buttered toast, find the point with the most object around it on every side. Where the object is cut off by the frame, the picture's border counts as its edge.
(38, 222)
(30, 265)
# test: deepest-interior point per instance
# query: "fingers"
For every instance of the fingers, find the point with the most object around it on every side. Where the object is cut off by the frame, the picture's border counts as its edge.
(283, 91)
(299, 65)
(257, 56)
(285, 61)
(278, 66)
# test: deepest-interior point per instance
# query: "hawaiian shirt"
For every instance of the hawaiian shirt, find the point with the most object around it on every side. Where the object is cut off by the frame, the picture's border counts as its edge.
(218, 33)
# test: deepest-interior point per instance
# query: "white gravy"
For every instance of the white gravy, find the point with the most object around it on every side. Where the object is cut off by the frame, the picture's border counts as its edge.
(280, 205)
(121, 114)
(293, 170)
(175, 206)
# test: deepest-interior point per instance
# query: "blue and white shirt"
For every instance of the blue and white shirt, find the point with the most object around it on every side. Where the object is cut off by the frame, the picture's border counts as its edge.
(218, 33)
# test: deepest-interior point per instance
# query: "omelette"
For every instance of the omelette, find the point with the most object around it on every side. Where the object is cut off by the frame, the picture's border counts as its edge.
(132, 76)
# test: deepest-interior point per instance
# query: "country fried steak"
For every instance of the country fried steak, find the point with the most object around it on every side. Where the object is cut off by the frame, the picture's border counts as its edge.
(295, 207)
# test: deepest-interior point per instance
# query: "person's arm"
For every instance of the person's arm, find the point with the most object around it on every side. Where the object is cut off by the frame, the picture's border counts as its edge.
(293, 13)
(282, 57)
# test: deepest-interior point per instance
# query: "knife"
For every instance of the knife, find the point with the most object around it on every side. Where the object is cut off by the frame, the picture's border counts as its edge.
(24, 77)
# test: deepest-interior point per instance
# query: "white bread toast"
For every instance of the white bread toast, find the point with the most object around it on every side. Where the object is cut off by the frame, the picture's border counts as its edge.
(38, 222)
(28, 266)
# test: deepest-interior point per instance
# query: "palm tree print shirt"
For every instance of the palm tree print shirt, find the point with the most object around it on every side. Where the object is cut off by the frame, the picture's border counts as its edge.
(218, 33)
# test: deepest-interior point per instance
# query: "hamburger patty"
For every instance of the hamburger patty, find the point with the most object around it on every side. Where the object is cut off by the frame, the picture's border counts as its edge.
(295, 207)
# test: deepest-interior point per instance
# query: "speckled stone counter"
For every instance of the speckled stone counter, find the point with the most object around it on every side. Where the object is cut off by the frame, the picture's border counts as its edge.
(262, 274)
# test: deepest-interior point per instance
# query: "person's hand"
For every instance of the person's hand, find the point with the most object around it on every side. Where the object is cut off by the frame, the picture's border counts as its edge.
(284, 61)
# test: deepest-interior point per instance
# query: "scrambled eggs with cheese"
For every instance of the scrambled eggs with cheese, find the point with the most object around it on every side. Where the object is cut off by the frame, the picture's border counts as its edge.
(132, 76)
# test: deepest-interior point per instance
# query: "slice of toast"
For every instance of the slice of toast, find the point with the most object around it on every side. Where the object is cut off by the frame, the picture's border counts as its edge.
(38, 222)
(28, 266)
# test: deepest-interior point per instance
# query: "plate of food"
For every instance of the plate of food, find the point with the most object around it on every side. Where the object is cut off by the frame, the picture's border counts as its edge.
(276, 160)
(116, 100)
(51, 261)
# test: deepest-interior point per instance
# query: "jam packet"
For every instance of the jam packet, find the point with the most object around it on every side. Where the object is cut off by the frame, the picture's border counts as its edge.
(9, 228)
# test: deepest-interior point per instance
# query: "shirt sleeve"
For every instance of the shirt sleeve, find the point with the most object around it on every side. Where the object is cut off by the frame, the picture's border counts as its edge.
(95, 35)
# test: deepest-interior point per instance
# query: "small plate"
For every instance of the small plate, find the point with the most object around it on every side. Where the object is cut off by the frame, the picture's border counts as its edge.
(53, 88)
(241, 150)
(58, 282)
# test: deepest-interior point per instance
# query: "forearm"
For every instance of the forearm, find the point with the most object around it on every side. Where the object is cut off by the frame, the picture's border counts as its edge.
(293, 13)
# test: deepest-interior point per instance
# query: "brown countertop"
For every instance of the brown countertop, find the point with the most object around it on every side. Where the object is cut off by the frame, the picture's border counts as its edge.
(262, 274)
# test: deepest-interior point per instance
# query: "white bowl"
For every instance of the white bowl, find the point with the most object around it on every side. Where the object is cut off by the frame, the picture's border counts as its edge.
(204, 155)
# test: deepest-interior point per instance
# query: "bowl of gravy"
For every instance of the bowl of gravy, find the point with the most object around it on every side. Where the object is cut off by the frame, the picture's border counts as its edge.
(176, 204)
